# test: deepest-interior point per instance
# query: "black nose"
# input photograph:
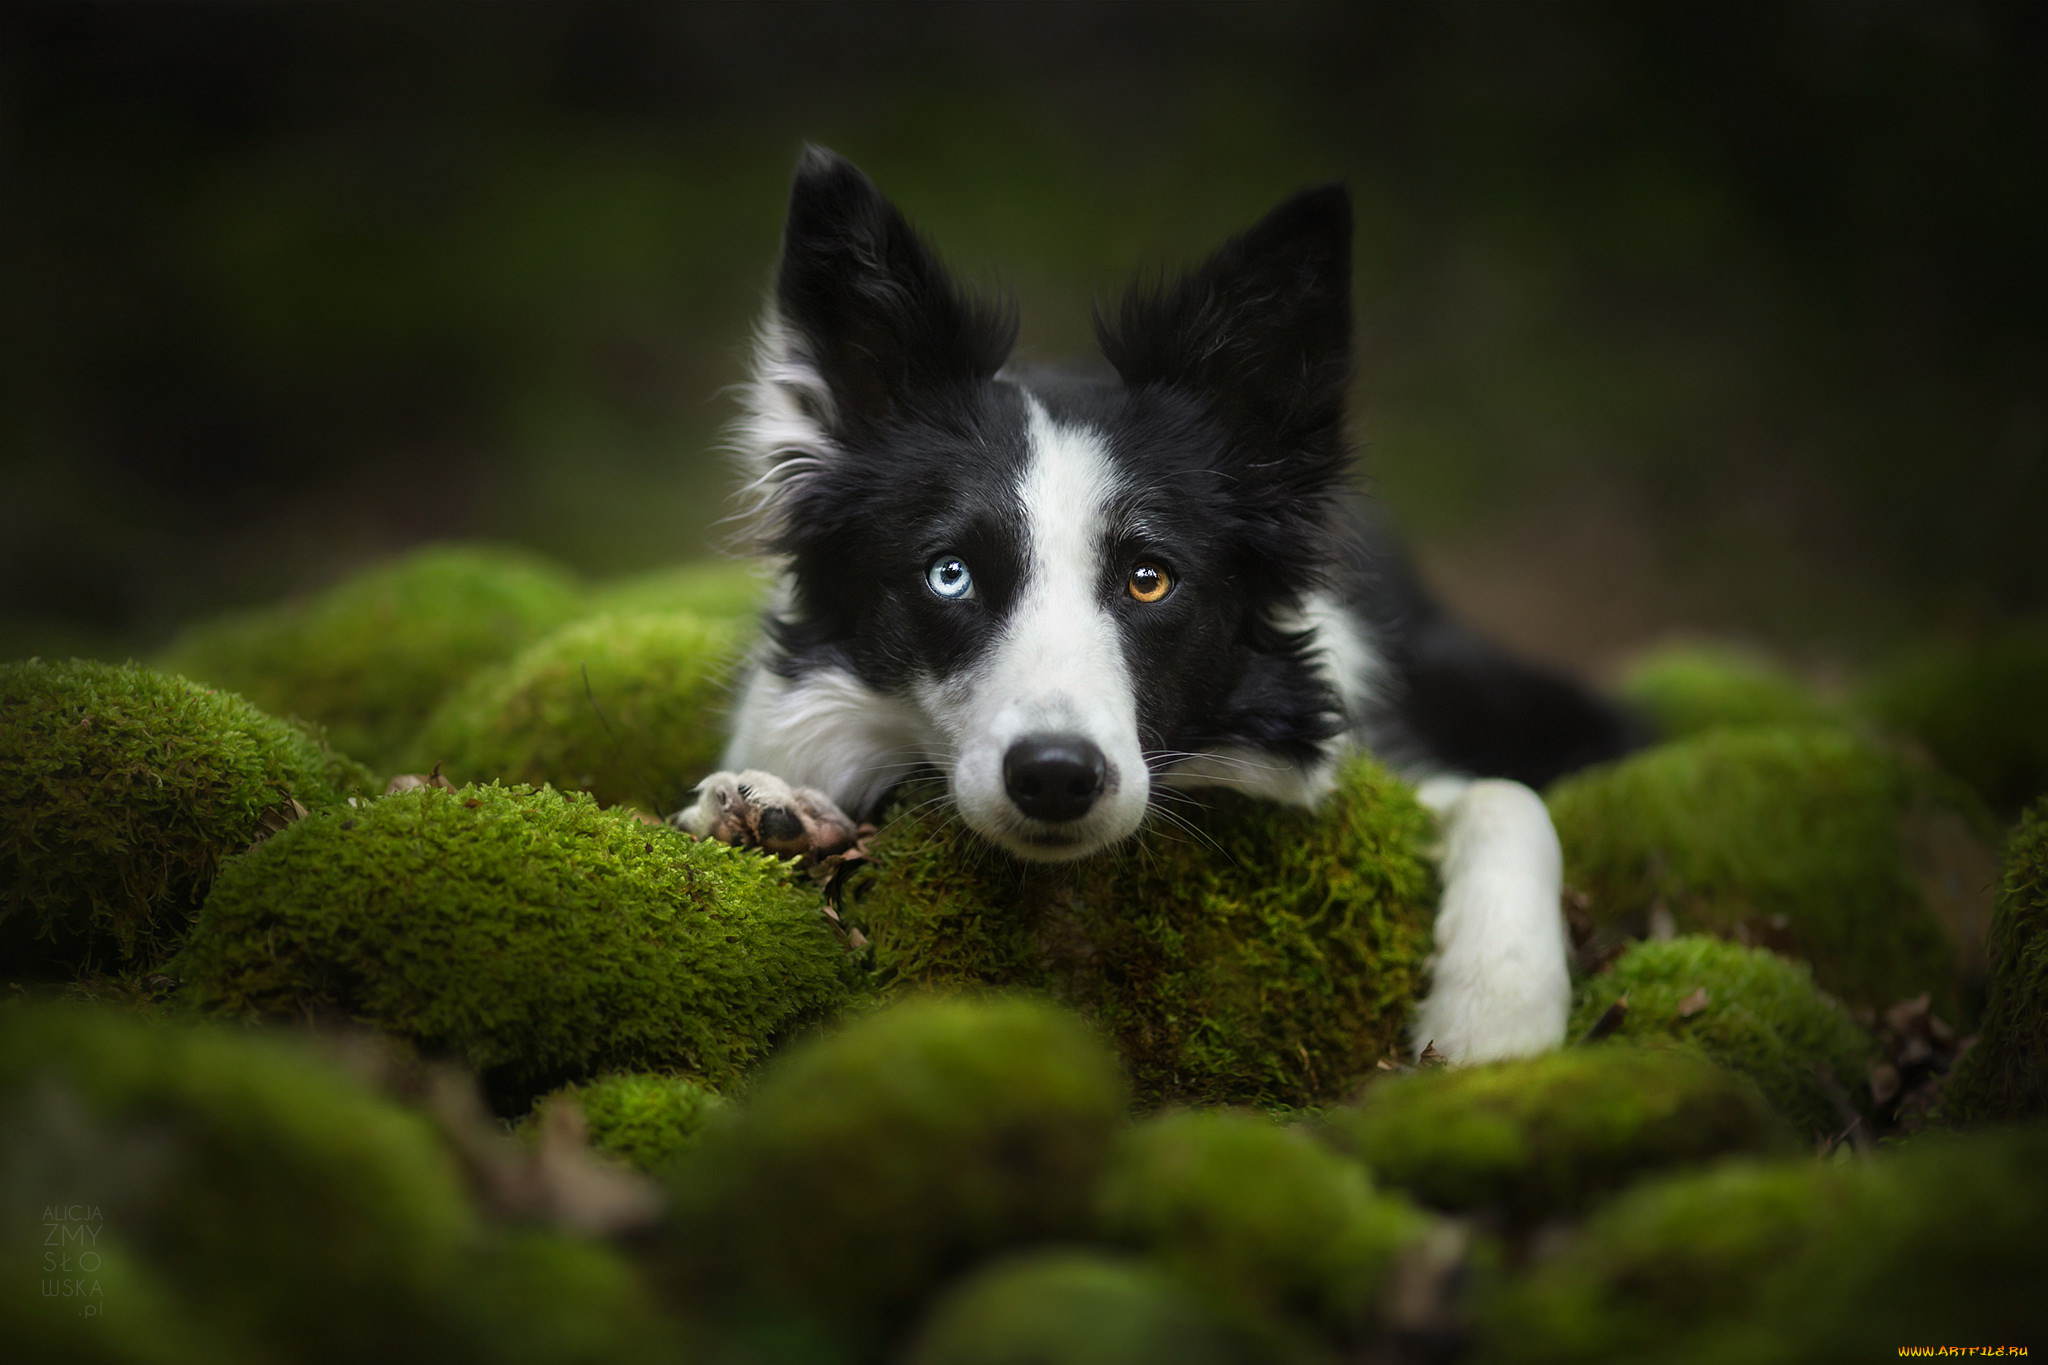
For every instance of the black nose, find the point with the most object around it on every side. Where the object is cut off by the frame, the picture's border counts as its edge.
(1054, 777)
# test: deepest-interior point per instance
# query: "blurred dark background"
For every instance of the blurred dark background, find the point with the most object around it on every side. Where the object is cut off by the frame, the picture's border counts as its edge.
(1722, 319)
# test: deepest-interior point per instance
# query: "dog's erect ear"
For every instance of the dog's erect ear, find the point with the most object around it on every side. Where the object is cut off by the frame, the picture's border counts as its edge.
(1261, 330)
(863, 301)
(864, 325)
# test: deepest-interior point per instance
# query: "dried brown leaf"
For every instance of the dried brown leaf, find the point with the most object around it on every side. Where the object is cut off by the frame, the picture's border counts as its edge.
(406, 782)
(1909, 1016)
(1693, 1004)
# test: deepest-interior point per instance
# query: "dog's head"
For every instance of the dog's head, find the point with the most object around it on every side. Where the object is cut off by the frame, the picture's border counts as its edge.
(1077, 587)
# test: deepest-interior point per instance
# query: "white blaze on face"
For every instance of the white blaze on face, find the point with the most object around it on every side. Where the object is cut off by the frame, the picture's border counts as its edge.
(1058, 667)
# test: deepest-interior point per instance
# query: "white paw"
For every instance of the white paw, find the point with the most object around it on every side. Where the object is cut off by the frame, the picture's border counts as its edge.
(759, 810)
(1501, 986)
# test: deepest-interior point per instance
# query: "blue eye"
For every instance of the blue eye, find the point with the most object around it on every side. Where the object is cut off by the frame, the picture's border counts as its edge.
(948, 577)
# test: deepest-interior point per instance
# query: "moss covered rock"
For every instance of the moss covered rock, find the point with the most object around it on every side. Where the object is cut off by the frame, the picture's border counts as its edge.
(867, 1167)
(1937, 1244)
(371, 657)
(1258, 1217)
(1547, 1135)
(218, 1196)
(1749, 1009)
(1071, 1308)
(626, 707)
(1813, 839)
(712, 590)
(642, 1118)
(2005, 1075)
(121, 791)
(1246, 953)
(1977, 708)
(1690, 688)
(534, 935)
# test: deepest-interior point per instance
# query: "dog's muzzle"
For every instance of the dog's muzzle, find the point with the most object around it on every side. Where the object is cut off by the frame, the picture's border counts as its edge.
(1054, 778)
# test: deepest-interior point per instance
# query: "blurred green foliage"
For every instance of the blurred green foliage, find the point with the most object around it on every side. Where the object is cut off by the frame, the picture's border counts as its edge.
(1541, 1137)
(283, 288)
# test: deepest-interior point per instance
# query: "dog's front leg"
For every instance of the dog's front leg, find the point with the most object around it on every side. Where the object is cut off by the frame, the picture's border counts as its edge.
(1501, 986)
(759, 810)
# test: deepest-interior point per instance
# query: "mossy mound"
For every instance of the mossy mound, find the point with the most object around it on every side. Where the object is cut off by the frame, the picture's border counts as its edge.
(628, 708)
(644, 1119)
(121, 791)
(713, 590)
(1750, 1010)
(1071, 1308)
(1258, 1217)
(1689, 688)
(2005, 1075)
(223, 1197)
(533, 935)
(370, 657)
(1978, 709)
(1249, 953)
(868, 1166)
(1937, 1244)
(1547, 1135)
(1813, 839)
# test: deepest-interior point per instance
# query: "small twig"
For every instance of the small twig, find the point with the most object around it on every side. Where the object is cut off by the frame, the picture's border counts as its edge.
(1853, 1130)
(596, 710)
(1609, 1020)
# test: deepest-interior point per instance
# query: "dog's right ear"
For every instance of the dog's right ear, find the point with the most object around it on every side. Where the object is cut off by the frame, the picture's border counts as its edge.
(864, 325)
(1261, 330)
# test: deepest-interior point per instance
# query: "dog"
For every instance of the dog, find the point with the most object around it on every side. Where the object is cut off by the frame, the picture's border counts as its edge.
(1067, 592)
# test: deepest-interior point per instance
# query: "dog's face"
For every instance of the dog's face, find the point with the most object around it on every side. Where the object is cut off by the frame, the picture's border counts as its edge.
(1070, 587)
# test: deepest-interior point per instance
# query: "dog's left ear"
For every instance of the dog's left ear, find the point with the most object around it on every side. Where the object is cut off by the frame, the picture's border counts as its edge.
(1261, 330)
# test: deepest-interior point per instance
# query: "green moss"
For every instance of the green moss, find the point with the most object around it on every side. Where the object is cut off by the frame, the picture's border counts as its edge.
(1244, 953)
(1259, 1217)
(1978, 709)
(531, 934)
(715, 590)
(225, 1196)
(1690, 688)
(1761, 1015)
(2005, 1075)
(627, 708)
(868, 1166)
(298, 1199)
(1663, 1261)
(1807, 839)
(644, 1118)
(121, 790)
(532, 1298)
(1936, 1244)
(1548, 1135)
(370, 657)
(1070, 1308)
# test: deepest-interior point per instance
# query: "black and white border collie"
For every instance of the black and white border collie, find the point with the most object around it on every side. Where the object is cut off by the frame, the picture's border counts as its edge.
(1065, 593)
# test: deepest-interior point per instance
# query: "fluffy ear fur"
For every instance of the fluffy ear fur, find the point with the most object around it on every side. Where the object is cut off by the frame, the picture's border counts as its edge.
(1261, 332)
(865, 324)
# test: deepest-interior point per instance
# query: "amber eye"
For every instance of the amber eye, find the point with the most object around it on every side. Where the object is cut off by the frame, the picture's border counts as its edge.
(1148, 582)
